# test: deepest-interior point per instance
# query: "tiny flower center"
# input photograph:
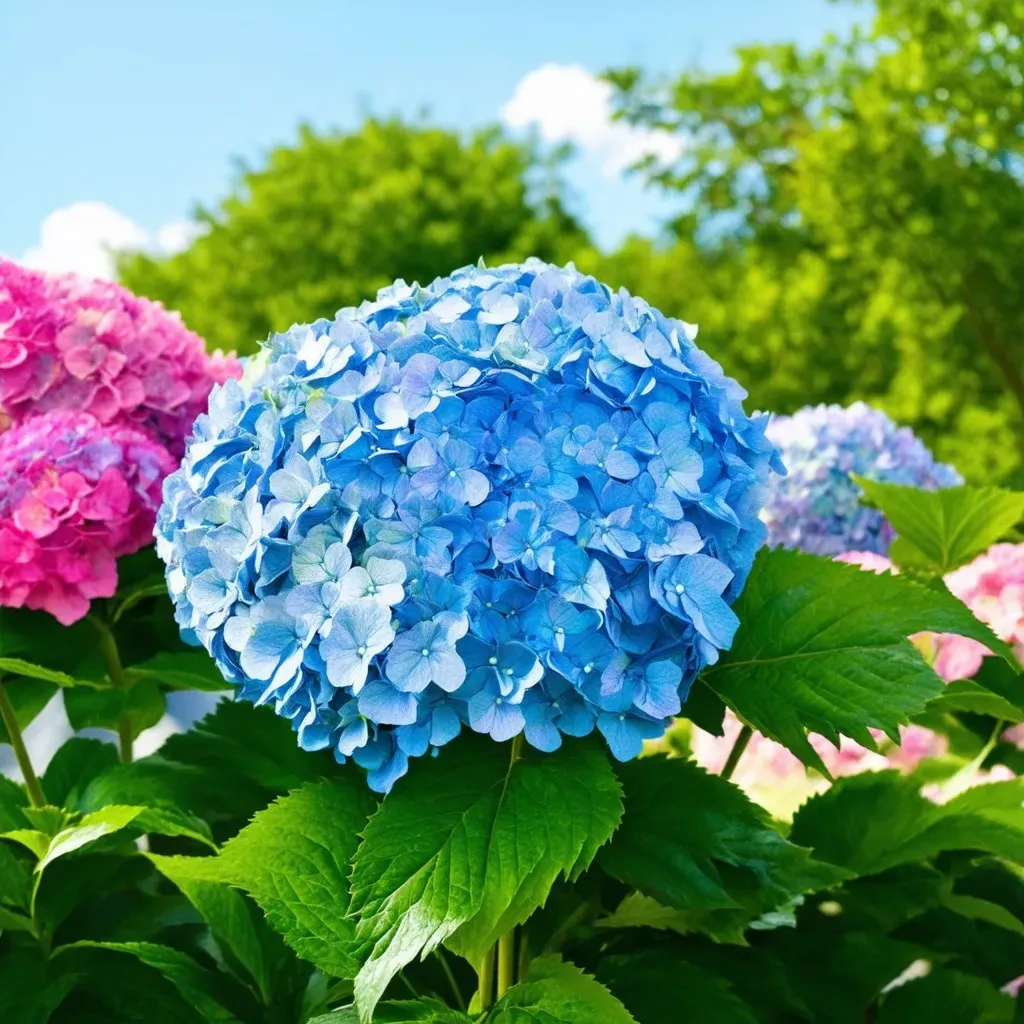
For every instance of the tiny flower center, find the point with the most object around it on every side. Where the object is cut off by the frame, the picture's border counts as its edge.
(559, 629)
(508, 671)
(451, 473)
(361, 650)
(589, 667)
(680, 589)
(492, 661)
(487, 604)
(425, 652)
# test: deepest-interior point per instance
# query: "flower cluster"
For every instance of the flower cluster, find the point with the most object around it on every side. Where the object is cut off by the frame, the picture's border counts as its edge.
(73, 496)
(92, 346)
(513, 500)
(816, 507)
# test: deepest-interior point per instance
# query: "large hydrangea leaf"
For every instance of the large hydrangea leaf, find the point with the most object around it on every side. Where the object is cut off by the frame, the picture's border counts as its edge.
(822, 648)
(469, 846)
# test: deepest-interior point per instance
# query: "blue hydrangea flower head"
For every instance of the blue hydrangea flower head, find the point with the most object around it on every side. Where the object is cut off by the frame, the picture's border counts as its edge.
(514, 501)
(816, 507)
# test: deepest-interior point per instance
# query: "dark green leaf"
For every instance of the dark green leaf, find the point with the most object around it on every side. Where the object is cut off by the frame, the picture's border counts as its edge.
(15, 877)
(29, 697)
(31, 988)
(870, 822)
(654, 985)
(470, 845)
(294, 861)
(201, 988)
(13, 801)
(946, 997)
(694, 841)
(143, 705)
(181, 670)
(74, 766)
(822, 649)
(983, 910)
(555, 992)
(421, 1011)
(950, 526)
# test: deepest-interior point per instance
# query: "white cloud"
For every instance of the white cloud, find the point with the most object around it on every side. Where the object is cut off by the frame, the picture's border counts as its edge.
(566, 103)
(83, 237)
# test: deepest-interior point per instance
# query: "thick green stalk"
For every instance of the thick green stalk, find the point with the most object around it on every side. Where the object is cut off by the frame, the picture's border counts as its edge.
(737, 751)
(108, 645)
(17, 741)
(485, 982)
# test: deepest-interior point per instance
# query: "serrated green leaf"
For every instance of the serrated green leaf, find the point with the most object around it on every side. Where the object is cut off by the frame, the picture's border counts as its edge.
(87, 830)
(181, 670)
(946, 997)
(28, 697)
(19, 667)
(420, 1011)
(293, 859)
(48, 820)
(470, 845)
(640, 911)
(950, 526)
(695, 842)
(36, 842)
(556, 992)
(654, 984)
(822, 648)
(870, 822)
(968, 695)
(142, 705)
(228, 916)
(165, 791)
(73, 768)
(983, 910)
(200, 988)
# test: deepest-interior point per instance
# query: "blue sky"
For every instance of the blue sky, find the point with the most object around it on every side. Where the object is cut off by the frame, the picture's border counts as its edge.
(143, 106)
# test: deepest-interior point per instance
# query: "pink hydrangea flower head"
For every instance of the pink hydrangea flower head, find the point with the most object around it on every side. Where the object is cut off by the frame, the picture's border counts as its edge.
(92, 346)
(74, 495)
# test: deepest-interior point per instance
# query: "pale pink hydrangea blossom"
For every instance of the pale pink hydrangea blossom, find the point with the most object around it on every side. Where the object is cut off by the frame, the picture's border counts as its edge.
(74, 495)
(92, 346)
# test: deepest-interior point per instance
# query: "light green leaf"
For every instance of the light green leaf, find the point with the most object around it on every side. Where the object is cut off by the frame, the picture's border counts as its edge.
(87, 830)
(871, 822)
(470, 845)
(695, 842)
(946, 997)
(821, 648)
(12, 921)
(227, 914)
(555, 992)
(653, 984)
(181, 670)
(19, 667)
(640, 911)
(200, 988)
(968, 695)
(294, 861)
(983, 910)
(33, 840)
(948, 527)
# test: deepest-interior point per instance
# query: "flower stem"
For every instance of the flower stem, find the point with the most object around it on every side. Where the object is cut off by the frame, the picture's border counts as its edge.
(108, 645)
(506, 962)
(737, 751)
(485, 985)
(14, 737)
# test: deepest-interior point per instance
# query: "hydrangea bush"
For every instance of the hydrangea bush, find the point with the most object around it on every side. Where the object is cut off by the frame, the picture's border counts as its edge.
(513, 500)
(816, 507)
(74, 496)
(68, 343)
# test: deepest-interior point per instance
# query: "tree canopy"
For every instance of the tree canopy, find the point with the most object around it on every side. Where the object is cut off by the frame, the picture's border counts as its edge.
(328, 221)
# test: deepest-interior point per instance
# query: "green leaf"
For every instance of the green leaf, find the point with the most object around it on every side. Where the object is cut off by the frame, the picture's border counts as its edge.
(181, 670)
(420, 1011)
(166, 792)
(822, 648)
(200, 988)
(28, 697)
(15, 878)
(294, 861)
(228, 916)
(19, 667)
(654, 984)
(13, 801)
(470, 845)
(31, 988)
(870, 822)
(143, 705)
(968, 695)
(694, 841)
(950, 526)
(73, 768)
(12, 921)
(983, 910)
(87, 830)
(946, 997)
(555, 992)
(640, 911)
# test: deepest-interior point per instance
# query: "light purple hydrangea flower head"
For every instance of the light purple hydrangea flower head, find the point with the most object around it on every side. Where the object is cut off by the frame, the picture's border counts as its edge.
(513, 501)
(816, 506)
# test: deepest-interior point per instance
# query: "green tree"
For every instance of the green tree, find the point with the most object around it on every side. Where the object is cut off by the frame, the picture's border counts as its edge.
(854, 224)
(327, 222)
